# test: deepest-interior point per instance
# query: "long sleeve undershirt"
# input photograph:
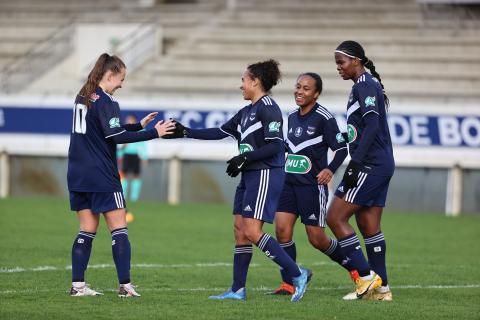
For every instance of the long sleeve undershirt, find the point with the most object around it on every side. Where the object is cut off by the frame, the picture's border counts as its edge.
(368, 136)
(130, 136)
(206, 134)
(338, 159)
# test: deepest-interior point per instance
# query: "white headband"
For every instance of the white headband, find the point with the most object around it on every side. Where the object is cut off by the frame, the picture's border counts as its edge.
(348, 55)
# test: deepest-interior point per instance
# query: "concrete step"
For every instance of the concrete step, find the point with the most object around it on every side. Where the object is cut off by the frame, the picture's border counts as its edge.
(414, 87)
(24, 33)
(15, 48)
(405, 71)
(341, 14)
(320, 65)
(254, 54)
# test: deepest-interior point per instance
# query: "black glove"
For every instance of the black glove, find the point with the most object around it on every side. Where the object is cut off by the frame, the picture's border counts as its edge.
(180, 131)
(350, 177)
(236, 164)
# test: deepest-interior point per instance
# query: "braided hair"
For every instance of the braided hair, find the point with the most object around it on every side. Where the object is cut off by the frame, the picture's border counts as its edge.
(353, 49)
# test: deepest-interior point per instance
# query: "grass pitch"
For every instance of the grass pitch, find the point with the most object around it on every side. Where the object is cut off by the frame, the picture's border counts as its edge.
(182, 254)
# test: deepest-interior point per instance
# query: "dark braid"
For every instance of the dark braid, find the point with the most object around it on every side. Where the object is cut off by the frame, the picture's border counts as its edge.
(369, 65)
(353, 50)
(267, 72)
(317, 78)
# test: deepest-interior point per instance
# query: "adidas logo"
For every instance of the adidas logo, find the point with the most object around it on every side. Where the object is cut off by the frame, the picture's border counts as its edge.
(312, 217)
(341, 189)
(247, 208)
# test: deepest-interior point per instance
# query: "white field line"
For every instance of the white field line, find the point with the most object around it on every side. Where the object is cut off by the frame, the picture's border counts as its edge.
(261, 289)
(143, 266)
(182, 265)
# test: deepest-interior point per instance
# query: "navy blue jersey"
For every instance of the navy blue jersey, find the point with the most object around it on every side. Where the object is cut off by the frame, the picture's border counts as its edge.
(253, 126)
(367, 97)
(308, 140)
(92, 156)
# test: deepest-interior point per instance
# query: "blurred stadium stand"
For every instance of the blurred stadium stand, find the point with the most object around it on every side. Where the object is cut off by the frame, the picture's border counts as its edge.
(427, 52)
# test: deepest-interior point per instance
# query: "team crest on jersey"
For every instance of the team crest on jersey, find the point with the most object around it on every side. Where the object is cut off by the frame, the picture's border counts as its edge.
(114, 123)
(298, 131)
(94, 97)
(339, 138)
(369, 101)
(252, 116)
(310, 130)
(274, 126)
(352, 133)
(244, 147)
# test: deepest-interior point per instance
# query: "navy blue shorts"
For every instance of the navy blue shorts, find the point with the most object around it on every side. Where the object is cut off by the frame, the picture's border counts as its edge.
(98, 202)
(307, 201)
(371, 191)
(258, 193)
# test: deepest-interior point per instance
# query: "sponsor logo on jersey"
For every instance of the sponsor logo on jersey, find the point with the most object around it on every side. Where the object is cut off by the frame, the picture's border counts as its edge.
(310, 130)
(369, 102)
(252, 116)
(274, 126)
(247, 208)
(352, 133)
(290, 131)
(312, 217)
(298, 131)
(80, 240)
(297, 163)
(339, 138)
(350, 98)
(245, 147)
(377, 249)
(114, 123)
(340, 189)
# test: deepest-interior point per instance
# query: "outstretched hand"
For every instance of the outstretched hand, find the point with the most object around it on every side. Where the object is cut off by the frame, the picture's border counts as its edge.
(180, 131)
(165, 128)
(149, 118)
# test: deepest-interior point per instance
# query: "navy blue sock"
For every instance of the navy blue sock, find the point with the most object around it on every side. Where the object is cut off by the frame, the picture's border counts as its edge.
(81, 249)
(121, 254)
(272, 249)
(352, 249)
(241, 260)
(336, 253)
(376, 251)
(291, 250)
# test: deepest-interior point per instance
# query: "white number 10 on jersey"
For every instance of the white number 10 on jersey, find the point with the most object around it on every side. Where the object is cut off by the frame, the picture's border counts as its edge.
(79, 122)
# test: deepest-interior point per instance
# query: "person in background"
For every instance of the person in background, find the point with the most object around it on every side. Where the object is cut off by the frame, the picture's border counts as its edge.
(132, 157)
